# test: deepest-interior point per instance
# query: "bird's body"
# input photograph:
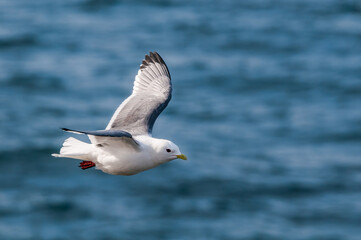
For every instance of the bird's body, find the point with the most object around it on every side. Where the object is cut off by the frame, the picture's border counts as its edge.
(126, 146)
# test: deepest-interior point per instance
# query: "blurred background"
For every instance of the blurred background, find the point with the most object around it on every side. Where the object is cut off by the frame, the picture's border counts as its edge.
(266, 105)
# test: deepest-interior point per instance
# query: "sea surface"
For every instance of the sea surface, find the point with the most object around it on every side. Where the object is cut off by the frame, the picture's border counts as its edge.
(266, 105)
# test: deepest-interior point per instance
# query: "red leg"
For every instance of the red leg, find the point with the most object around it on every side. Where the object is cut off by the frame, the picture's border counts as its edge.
(86, 164)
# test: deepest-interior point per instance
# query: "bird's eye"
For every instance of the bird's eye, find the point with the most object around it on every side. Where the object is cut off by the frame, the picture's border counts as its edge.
(168, 150)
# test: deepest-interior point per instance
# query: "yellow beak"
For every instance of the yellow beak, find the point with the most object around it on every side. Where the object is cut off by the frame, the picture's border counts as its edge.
(182, 156)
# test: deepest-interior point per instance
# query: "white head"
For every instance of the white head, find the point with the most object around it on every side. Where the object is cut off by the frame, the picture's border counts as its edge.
(167, 151)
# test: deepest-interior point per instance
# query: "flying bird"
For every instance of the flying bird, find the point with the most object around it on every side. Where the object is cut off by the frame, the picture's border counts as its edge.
(126, 146)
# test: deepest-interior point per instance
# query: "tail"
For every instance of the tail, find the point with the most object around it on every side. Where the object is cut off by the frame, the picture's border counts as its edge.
(74, 148)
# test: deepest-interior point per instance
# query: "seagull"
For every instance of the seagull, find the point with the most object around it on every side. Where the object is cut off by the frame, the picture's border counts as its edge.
(126, 146)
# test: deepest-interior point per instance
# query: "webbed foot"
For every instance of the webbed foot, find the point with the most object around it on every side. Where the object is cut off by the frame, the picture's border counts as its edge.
(86, 164)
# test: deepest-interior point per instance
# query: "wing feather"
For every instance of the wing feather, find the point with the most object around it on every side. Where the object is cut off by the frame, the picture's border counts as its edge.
(104, 138)
(151, 94)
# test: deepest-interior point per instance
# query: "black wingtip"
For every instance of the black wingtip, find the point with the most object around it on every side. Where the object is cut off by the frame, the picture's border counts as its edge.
(153, 57)
(65, 129)
(147, 59)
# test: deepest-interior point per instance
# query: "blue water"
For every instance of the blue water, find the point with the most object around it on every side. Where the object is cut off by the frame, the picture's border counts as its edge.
(266, 105)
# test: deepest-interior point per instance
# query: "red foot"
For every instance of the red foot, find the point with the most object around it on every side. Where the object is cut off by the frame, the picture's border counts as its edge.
(86, 164)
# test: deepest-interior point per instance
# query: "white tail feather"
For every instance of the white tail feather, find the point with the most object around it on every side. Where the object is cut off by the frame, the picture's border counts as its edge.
(74, 148)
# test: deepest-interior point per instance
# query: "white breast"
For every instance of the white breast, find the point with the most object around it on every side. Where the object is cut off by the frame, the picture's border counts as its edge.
(126, 161)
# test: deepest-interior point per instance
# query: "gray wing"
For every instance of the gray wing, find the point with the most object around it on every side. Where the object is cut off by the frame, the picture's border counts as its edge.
(103, 138)
(151, 94)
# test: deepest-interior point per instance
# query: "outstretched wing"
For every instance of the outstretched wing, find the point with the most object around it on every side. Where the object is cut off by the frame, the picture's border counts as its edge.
(151, 94)
(104, 138)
